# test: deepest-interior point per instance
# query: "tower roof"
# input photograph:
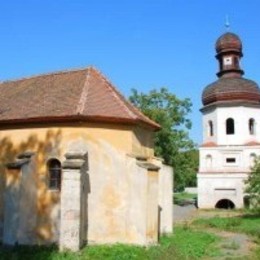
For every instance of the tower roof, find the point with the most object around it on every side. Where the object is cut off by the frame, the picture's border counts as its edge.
(231, 89)
(82, 95)
(228, 42)
(230, 86)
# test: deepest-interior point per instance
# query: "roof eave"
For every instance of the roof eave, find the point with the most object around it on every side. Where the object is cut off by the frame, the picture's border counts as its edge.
(75, 119)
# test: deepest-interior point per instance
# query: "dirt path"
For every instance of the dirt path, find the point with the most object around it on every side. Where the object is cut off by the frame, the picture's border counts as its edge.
(232, 245)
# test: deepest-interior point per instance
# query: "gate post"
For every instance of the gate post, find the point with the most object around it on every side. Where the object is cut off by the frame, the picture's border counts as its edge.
(72, 208)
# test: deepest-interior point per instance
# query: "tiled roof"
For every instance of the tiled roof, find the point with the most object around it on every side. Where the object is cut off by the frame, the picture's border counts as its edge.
(230, 89)
(76, 95)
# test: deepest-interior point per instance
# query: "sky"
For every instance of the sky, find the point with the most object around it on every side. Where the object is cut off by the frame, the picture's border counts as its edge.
(142, 44)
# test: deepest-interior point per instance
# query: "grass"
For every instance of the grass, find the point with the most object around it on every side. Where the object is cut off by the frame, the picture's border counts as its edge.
(189, 241)
(248, 224)
(183, 197)
(185, 243)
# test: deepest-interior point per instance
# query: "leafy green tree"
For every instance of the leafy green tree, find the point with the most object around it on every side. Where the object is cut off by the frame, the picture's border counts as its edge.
(253, 185)
(172, 142)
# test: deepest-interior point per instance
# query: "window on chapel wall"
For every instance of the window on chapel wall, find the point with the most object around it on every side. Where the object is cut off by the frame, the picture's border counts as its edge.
(251, 125)
(210, 128)
(230, 126)
(54, 170)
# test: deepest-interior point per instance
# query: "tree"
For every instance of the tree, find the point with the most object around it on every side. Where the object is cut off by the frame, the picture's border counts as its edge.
(172, 142)
(253, 185)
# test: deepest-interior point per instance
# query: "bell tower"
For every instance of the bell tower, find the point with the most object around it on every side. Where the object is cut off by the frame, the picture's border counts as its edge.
(231, 129)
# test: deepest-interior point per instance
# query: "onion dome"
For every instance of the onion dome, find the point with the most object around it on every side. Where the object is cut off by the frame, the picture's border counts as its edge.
(230, 86)
(228, 42)
(231, 89)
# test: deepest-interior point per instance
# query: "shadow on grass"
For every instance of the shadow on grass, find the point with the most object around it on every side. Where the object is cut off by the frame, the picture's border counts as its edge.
(28, 252)
(184, 243)
(251, 216)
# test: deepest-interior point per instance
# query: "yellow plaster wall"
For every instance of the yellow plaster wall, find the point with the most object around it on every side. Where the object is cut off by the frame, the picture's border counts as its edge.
(143, 143)
(53, 142)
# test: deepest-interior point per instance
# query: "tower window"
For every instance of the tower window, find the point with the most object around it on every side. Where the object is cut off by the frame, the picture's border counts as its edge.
(251, 125)
(230, 160)
(230, 126)
(208, 161)
(54, 170)
(210, 128)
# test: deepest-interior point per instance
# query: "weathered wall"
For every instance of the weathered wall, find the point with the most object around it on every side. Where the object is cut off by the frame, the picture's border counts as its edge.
(143, 143)
(166, 198)
(119, 202)
(109, 182)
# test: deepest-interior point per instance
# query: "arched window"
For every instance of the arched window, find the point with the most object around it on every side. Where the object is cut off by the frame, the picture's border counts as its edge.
(251, 126)
(54, 170)
(230, 126)
(208, 161)
(210, 128)
(252, 159)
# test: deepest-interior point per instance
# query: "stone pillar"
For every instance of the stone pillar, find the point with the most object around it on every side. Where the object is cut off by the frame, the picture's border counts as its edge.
(152, 214)
(165, 196)
(72, 202)
(152, 203)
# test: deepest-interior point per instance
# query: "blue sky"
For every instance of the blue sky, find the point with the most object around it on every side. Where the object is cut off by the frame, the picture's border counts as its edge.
(143, 44)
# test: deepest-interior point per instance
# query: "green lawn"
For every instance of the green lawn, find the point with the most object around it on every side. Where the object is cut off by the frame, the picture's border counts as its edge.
(182, 197)
(189, 241)
(185, 243)
(248, 224)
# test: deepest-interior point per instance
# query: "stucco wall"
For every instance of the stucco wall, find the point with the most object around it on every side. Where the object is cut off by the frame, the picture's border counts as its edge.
(166, 198)
(110, 181)
(226, 164)
(241, 116)
(215, 187)
(244, 158)
(143, 142)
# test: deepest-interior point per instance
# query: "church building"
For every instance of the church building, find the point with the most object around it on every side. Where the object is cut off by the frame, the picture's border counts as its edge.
(77, 164)
(231, 130)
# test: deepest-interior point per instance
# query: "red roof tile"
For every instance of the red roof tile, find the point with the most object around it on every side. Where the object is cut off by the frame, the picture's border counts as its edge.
(78, 95)
(209, 144)
(252, 143)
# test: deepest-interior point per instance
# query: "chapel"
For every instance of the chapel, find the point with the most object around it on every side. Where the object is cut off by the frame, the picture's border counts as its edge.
(77, 164)
(231, 130)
